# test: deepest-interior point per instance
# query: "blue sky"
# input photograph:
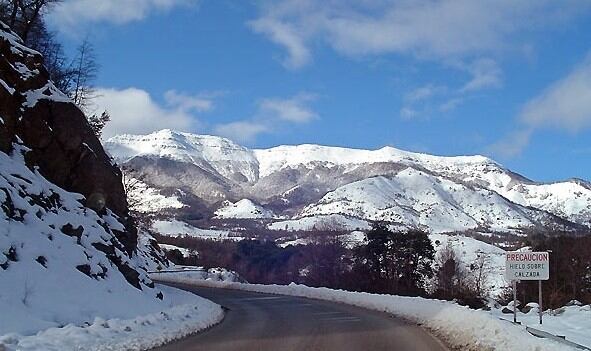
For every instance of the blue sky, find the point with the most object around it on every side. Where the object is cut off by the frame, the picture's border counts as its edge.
(507, 79)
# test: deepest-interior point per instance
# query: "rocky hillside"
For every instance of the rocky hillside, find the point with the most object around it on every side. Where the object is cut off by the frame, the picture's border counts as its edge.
(68, 251)
(301, 186)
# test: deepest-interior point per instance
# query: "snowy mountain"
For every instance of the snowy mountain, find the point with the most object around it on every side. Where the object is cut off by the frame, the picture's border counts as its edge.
(309, 183)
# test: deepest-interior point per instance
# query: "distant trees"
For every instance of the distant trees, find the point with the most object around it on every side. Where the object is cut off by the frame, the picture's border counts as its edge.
(265, 262)
(327, 261)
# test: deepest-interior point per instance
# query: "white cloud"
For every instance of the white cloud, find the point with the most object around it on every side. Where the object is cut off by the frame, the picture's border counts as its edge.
(286, 36)
(424, 92)
(513, 144)
(486, 73)
(408, 113)
(272, 114)
(133, 111)
(294, 110)
(69, 15)
(198, 103)
(566, 104)
(241, 131)
(450, 104)
(425, 28)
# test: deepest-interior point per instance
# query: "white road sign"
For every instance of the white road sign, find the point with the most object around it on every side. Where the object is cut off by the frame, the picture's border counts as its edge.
(527, 266)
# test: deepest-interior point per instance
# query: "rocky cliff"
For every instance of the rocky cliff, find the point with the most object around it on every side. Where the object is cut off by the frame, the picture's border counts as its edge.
(59, 141)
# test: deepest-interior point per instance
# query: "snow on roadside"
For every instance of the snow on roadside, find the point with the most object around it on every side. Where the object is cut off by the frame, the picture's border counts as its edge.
(186, 314)
(197, 273)
(572, 322)
(460, 326)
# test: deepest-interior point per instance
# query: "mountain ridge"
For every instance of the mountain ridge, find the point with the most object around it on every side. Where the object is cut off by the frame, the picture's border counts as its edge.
(290, 180)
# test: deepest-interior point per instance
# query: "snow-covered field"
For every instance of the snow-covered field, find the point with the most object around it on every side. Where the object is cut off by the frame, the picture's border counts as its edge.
(244, 208)
(173, 227)
(461, 327)
(321, 222)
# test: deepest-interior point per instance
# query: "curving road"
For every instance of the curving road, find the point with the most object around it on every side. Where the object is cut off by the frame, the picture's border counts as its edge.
(260, 322)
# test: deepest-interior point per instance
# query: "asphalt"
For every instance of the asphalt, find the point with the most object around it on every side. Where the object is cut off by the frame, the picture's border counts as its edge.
(261, 322)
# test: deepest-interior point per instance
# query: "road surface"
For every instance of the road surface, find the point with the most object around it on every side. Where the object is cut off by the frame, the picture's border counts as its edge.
(263, 322)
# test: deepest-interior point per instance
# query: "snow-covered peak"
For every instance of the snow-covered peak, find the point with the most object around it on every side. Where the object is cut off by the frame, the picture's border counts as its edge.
(194, 148)
(221, 154)
(177, 145)
(273, 159)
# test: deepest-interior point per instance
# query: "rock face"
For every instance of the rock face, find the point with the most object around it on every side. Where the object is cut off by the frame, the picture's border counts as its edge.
(60, 143)
(60, 140)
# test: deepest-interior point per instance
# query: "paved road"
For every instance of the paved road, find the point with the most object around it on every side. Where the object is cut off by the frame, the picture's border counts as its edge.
(261, 322)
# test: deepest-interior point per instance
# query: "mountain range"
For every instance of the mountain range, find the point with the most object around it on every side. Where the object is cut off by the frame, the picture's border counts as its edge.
(305, 187)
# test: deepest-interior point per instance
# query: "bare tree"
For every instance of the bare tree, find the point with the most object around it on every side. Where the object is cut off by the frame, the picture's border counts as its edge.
(84, 70)
(132, 185)
(480, 270)
(450, 275)
(23, 16)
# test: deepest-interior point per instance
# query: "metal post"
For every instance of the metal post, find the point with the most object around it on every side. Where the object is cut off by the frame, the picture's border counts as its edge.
(514, 301)
(540, 299)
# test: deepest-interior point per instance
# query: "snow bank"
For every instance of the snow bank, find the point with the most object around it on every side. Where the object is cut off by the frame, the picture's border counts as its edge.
(191, 273)
(460, 326)
(572, 322)
(60, 278)
(187, 314)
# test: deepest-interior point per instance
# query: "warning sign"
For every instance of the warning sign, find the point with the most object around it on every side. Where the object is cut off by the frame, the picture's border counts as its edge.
(527, 266)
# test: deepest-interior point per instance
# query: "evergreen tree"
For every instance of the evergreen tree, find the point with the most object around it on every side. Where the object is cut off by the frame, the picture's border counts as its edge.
(396, 262)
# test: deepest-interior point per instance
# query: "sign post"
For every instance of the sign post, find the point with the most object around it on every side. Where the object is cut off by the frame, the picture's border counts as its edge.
(527, 266)
(540, 298)
(514, 301)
